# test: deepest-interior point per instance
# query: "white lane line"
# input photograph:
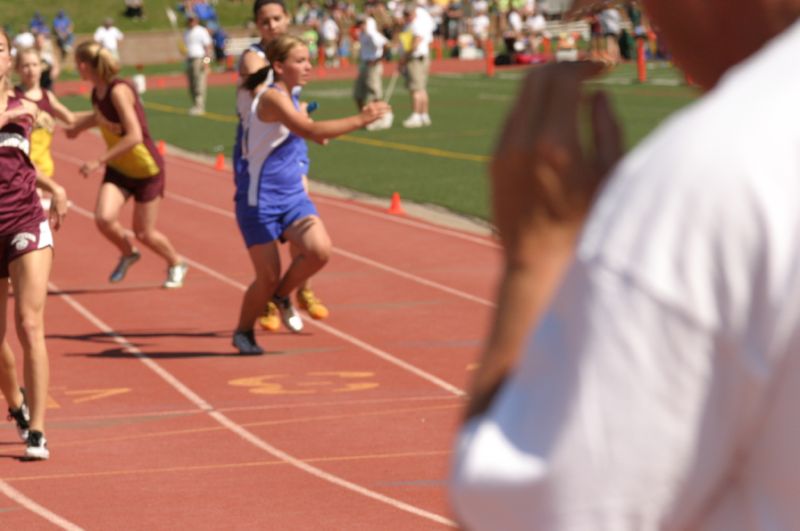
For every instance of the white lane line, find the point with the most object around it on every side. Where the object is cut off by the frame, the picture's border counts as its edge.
(242, 432)
(450, 388)
(195, 165)
(16, 496)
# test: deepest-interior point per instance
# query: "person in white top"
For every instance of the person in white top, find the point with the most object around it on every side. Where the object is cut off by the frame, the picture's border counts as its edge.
(109, 37)
(329, 35)
(199, 48)
(416, 63)
(658, 384)
(370, 69)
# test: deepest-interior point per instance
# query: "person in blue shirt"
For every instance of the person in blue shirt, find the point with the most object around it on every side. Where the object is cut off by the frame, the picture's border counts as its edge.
(37, 24)
(64, 32)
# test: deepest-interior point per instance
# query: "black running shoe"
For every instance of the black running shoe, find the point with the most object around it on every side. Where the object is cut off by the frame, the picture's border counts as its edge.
(21, 417)
(36, 449)
(245, 343)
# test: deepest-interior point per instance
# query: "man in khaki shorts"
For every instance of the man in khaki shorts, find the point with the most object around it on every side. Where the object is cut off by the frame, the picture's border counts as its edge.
(370, 71)
(416, 63)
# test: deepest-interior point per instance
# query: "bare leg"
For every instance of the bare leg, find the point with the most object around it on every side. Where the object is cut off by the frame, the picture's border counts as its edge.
(314, 246)
(9, 385)
(267, 265)
(29, 275)
(110, 201)
(144, 227)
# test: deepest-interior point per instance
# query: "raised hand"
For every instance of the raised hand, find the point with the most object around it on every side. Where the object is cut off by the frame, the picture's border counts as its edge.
(373, 111)
(543, 179)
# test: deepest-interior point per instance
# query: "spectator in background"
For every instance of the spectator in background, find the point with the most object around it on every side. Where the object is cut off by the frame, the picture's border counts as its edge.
(134, 9)
(611, 22)
(368, 86)
(199, 48)
(38, 24)
(220, 37)
(63, 29)
(108, 36)
(416, 63)
(51, 65)
(329, 39)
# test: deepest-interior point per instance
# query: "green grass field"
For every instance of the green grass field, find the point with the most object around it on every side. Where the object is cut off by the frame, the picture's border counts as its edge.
(87, 15)
(443, 165)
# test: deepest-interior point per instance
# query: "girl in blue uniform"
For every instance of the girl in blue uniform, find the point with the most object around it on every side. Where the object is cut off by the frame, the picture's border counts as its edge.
(271, 200)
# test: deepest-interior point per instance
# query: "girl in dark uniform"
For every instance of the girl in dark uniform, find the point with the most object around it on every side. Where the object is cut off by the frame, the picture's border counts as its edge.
(26, 256)
(133, 165)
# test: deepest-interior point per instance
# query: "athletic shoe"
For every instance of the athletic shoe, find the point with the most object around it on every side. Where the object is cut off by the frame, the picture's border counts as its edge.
(245, 343)
(289, 316)
(426, 120)
(21, 416)
(196, 111)
(309, 302)
(270, 320)
(384, 122)
(413, 121)
(36, 448)
(122, 267)
(175, 276)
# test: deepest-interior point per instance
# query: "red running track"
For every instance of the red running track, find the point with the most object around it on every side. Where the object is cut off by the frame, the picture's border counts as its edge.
(154, 422)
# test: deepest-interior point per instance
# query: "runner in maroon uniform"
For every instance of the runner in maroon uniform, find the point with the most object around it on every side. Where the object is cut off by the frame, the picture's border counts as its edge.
(133, 164)
(25, 258)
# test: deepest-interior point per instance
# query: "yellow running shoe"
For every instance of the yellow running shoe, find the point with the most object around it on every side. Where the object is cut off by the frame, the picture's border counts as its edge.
(310, 303)
(270, 320)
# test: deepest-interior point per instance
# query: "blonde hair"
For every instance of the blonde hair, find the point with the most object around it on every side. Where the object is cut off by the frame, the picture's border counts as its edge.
(25, 51)
(103, 63)
(278, 50)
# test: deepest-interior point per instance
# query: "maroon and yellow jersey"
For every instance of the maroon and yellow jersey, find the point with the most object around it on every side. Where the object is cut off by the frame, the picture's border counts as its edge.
(140, 162)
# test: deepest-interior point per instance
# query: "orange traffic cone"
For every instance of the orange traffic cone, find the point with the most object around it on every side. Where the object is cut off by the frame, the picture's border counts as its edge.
(220, 163)
(161, 147)
(396, 207)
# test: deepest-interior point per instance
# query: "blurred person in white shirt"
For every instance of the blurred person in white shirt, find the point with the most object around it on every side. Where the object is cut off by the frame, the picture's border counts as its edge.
(416, 64)
(643, 367)
(368, 86)
(199, 48)
(109, 37)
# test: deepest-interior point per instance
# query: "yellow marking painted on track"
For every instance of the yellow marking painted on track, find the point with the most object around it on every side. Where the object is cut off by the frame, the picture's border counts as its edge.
(89, 395)
(224, 466)
(227, 118)
(265, 423)
(336, 382)
(396, 146)
(52, 403)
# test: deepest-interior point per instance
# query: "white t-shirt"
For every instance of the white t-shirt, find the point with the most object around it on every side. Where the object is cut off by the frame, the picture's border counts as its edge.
(480, 26)
(329, 30)
(24, 40)
(372, 41)
(611, 21)
(422, 26)
(661, 389)
(197, 40)
(108, 37)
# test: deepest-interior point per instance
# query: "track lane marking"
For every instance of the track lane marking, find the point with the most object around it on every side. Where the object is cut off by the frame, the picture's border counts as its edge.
(230, 466)
(243, 433)
(39, 510)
